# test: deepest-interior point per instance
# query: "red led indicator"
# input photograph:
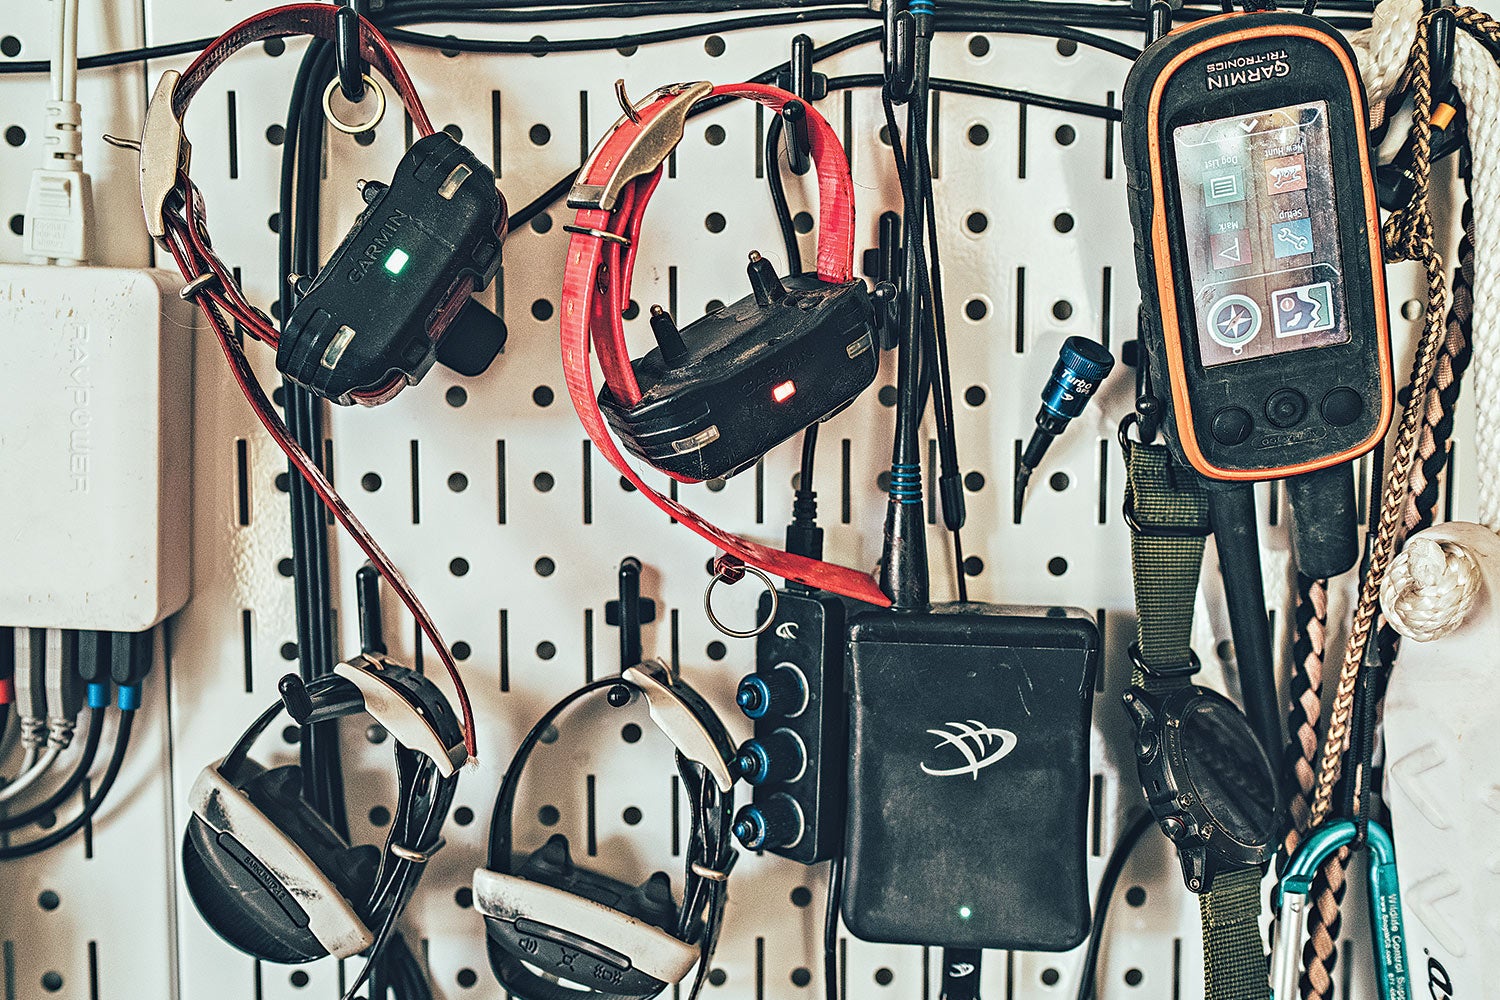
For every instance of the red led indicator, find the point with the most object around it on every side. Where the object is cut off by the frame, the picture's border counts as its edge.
(784, 391)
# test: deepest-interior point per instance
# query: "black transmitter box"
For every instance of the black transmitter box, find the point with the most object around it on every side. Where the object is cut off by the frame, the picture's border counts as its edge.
(374, 318)
(734, 384)
(969, 776)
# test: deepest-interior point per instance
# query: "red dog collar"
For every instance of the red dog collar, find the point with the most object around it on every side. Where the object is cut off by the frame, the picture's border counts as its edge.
(611, 194)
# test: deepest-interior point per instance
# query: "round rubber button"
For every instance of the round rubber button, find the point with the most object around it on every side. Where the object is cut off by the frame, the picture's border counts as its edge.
(1286, 407)
(1231, 425)
(1342, 406)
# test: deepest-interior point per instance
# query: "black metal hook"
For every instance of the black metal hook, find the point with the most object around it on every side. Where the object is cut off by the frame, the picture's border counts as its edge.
(801, 79)
(882, 265)
(346, 50)
(898, 45)
(630, 611)
(367, 596)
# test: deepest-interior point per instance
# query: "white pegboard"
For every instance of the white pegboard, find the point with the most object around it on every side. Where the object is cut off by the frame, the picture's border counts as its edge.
(495, 471)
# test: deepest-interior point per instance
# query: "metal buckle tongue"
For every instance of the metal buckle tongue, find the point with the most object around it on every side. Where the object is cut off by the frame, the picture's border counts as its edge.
(164, 151)
(655, 138)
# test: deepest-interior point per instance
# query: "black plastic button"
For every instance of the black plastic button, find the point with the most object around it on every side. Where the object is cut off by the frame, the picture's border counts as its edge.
(1286, 407)
(1231, 425)
(1342, 406)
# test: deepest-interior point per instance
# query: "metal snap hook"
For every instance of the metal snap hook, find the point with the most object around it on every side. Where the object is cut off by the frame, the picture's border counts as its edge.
(354, 128)
(625, 105)
(731, 574)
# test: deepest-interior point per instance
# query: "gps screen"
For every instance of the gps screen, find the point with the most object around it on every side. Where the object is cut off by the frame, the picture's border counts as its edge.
(1262, 233)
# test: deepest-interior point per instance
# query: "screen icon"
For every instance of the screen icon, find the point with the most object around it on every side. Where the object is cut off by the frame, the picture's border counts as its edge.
(1233, 321)
(1303, 309)
(1292, 238)
(1229, 250)
(1286, 173)
(1223, 185)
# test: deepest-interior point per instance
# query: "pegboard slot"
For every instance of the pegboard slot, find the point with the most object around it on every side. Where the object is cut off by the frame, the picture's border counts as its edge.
(416, 482)
(1101, 620)
(1106, 300)
(1021, 309)
(1104, 480)
(676, 816)
(591, 835)
(934, 126)
(584, 146)
(1015, 468)
(93, 970)
(1109, 140)
(504, 651)
(588, 483)
(247, 639)
(233, 118)
(88, 824)
(760, 491)
(844, 498)
(8, 952)
(242, 480)
(1450, 478)
(500, 498)
(1021, 140)
(588, 645)
(675, 631)
(1096, 827)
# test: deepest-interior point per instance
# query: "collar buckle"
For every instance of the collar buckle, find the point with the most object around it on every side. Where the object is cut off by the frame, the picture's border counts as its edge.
(658, 123)
(165, 150)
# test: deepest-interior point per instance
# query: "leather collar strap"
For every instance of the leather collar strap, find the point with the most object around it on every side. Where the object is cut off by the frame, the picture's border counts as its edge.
(596, 287)
(1168, 517)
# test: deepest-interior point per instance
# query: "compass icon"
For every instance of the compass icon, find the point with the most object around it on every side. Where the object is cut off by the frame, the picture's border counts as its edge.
(1233, 321)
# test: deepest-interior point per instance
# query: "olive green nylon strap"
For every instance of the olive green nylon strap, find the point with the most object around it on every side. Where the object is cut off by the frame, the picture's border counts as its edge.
(1169, 523)
(1234, 959)
(1169, 515)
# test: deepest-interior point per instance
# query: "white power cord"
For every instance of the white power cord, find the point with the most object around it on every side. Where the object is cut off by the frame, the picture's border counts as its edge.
(60, 204)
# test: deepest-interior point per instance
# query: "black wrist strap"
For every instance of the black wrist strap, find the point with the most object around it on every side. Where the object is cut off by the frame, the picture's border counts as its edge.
(1168, 517)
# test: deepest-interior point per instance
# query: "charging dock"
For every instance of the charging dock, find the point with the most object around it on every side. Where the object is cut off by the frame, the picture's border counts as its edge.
(95, 437)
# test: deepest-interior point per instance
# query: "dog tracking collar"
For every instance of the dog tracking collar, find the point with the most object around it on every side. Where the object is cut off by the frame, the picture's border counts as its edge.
(548, 921)
(611, 194)
(1204, 774)
(269, 875)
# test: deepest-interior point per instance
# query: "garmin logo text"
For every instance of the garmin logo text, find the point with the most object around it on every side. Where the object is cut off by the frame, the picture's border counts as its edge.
(1247, 69)
(978, 744)
(80, 390)
(378, 246)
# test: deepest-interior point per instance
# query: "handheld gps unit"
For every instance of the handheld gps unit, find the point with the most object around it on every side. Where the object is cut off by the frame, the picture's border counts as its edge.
(1258, 246)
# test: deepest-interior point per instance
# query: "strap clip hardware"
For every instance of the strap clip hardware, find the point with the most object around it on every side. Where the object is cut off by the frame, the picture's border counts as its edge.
(653, 142)
(164, 152)
(1186, 669)
(1202, 530)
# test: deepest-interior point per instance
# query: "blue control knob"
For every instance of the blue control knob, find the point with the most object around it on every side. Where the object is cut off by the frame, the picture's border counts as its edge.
(782, 692)
(776, 823)
(778, 757)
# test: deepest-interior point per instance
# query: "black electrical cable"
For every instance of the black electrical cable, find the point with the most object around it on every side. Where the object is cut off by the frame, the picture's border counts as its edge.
(831, 928)
(1123, 849)
(774, 131)
(1066, 105)
(91, 807)
(26, 817)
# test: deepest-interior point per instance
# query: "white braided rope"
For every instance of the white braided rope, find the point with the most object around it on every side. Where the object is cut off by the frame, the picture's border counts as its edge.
(1429, 588)
(1383, 48)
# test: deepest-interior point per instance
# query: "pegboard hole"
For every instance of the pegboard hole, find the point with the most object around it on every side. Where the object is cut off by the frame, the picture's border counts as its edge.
(545, 566)
(466, 978)
(286, 567)
(884, 976)
(543, 482)
(717, 977)
(714, 135)
(455, 132)
(887, 395)
(631, 816)
(803, 222)
(548, 815)
(47, 820)
(449, 53)
(1224, 650)
(542, 223)
(976, 309)
(10, 46)
(973, 566)
(713, 305)
(48, 900)
(461, 650)
(375, 733)
(801, 896)
(275, 135)
(975, 395)
(379, 816)
(974, 482)
(715, 485)
(627, 485)
(458, 566)
(979, 46)
(1135, 896)
(464, 897)
(457, 396)
(52, 981)
(630, 733)
(540, 134)
(365, 138)
(274, 46)
(458, 482)
(716, 650)
(283, 482)
(299, 979)
(370, 482)
(1057, 565)
(1050, 977)
(978, 135)
(288, 651)
(1133, 977)
(541, 310)
(883, 482)
(278, 396)
(801, 977)
(885, 135)
(1065, 135)
(18, 224)
(714, 222)
(540, 41)
(1062, 309)
(1059, 481)
(714, 46)
(632, 310)
(463, 815)
(15, 135)
(1066, 47)
(1062, 222)
(275, 309)
(977, 222)
(628, 50)
(546, 650)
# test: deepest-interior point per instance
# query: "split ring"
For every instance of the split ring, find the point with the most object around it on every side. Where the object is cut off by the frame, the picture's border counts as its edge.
(760, 627)
(354, 128)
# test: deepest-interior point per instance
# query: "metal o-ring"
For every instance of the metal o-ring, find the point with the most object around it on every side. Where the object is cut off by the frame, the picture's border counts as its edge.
(355, 129)
(760, 627)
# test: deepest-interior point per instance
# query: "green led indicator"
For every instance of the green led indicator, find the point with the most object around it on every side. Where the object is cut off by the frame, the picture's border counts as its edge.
(964, 913)
(396, 262)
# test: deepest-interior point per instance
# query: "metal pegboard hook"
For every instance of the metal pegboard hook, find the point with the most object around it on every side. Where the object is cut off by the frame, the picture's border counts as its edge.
(353, 72)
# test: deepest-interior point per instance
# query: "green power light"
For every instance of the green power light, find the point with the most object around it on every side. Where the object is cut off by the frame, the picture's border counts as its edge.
(396, 262)
(964, 913)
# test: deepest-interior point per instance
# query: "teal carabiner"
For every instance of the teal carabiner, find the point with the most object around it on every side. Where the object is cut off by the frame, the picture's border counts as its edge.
(1385, 909)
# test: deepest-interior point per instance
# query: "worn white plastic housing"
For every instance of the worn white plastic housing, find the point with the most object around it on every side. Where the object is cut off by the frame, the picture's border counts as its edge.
(1442, 739)
(96, 372)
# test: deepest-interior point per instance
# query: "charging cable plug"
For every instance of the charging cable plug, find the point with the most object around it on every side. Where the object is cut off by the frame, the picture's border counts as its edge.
(1081, 365)
(64, 687)
(60, 203)
(31, 690)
